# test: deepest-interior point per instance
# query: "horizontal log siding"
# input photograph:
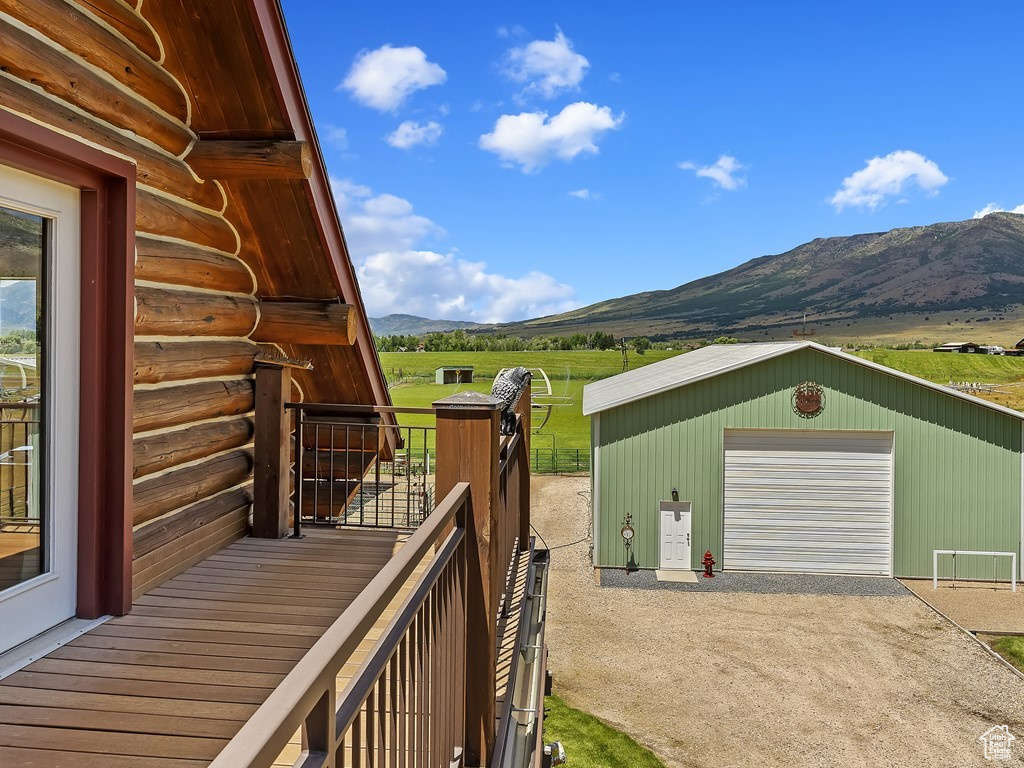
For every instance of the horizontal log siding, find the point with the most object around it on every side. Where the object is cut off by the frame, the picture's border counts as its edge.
(92, 69)
(956, 465)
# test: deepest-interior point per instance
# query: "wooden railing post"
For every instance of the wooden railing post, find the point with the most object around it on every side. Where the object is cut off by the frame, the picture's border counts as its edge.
(271, 453)
(467, 450)
(524, 410)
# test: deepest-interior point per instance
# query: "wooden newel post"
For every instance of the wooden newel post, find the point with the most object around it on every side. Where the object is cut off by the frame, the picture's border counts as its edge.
(524, 409)
(467, 451)
(272, 456)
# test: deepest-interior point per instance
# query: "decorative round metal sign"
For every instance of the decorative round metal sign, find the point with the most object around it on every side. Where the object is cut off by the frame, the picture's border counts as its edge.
(808, 399)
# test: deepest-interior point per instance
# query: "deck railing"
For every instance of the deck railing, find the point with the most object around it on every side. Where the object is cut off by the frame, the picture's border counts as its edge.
(510, 467)
(423, 690)
(352, 469)
(19, 431)
(407, 698)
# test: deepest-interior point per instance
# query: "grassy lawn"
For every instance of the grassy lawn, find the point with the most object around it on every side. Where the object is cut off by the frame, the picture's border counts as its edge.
(589, 743)
(567, 427)
(943, 367)
(576, 364)
(1011, 649)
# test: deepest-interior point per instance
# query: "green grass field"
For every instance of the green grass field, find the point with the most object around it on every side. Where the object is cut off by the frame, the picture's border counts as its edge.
(589, 743)
(944, 367)
(576, 364)
(570, 371)
(1011, 649)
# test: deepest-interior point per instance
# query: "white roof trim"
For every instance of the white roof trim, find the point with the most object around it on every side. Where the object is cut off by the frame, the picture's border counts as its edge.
(610, 395)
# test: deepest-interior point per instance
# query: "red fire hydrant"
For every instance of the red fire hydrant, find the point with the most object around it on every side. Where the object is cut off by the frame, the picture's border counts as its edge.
(708, 562)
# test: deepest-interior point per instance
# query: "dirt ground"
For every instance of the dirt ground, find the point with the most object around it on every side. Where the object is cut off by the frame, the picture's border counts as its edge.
(735, 679)
(977, 606)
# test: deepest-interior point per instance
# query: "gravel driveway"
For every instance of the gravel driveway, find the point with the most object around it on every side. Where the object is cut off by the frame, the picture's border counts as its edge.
(740, 679)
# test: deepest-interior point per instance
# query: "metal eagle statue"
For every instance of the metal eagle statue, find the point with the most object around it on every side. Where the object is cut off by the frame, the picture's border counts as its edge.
(508, 387)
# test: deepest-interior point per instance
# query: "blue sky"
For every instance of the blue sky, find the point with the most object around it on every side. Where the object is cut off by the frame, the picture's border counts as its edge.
(496, 162)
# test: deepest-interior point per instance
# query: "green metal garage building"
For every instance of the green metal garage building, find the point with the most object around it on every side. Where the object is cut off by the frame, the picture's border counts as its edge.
(795, 457)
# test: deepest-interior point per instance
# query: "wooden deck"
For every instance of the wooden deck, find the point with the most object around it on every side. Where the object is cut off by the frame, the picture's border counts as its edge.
(168, 685)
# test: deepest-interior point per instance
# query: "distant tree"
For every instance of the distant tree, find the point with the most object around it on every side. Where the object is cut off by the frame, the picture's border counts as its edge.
(579, 341)
(726, 340)
(641, 344)
(602, 340)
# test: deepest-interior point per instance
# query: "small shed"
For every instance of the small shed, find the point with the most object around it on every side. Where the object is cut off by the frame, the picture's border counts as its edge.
(454, 374)
(794, 457)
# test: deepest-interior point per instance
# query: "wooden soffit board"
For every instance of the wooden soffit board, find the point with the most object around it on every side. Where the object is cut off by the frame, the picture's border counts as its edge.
(218, 53)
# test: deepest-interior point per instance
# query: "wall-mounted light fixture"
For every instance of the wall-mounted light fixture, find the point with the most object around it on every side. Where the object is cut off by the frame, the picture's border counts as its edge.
(675, 495)
(627, 534)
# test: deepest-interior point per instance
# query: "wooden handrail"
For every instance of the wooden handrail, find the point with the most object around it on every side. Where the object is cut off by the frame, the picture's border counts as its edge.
(362, 682)
(311, 683)
(355, 410)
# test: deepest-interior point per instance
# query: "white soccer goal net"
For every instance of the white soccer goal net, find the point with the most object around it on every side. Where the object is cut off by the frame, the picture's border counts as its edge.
(957, 553)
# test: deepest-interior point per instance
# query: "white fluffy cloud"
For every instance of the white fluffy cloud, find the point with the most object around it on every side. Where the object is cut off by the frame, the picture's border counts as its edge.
(885, 177)
(582, 194)
(532, 139)
(411, 134)
(397, 273)
(996, 208)
(725, 172)
(546, 67)
(336, 136)
(384, 78)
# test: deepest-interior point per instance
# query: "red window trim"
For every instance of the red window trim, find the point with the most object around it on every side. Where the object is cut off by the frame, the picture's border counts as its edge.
(107, 323)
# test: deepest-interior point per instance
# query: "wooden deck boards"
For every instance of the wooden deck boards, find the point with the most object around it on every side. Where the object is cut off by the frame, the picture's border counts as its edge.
(168, 685)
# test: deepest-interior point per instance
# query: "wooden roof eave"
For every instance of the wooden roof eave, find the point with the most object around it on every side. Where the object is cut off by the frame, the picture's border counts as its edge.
(269, 24)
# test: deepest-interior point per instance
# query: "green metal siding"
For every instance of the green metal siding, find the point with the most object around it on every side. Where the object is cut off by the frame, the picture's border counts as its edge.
(956, 465)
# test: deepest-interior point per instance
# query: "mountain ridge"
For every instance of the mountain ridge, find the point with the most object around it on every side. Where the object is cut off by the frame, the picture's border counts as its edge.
(413, 325)
(975, 265)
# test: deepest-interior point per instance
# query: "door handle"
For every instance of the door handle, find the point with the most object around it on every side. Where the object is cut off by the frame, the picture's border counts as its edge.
(687, 539)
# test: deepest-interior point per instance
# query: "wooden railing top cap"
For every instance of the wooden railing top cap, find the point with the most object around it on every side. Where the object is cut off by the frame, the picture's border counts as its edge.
(468, 400)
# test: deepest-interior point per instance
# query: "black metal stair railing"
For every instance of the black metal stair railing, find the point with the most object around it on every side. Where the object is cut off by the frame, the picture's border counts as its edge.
(351, 468)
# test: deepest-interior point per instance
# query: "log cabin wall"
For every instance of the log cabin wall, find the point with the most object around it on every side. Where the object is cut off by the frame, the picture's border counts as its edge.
(134, 79)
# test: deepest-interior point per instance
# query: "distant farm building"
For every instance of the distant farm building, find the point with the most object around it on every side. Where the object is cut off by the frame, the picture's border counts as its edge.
(1017, 351)
(963, 347)
(793, 457)
(454, 374)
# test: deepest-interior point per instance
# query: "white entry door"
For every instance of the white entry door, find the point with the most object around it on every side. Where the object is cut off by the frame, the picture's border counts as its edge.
(39, 404)
(675, 535)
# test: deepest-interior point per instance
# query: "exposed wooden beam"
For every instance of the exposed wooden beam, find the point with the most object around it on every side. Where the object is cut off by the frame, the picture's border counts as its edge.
(162, 261)
(162, 312)
(155, 167)
(126, 20)
(91, 41)
(187, 403)
(68, 78)
(160, 494)
(306, 322)
(157, 361)
(231, 159)
(155, 453)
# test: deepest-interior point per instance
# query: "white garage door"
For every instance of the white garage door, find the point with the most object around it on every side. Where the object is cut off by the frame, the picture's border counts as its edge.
(808, 501)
